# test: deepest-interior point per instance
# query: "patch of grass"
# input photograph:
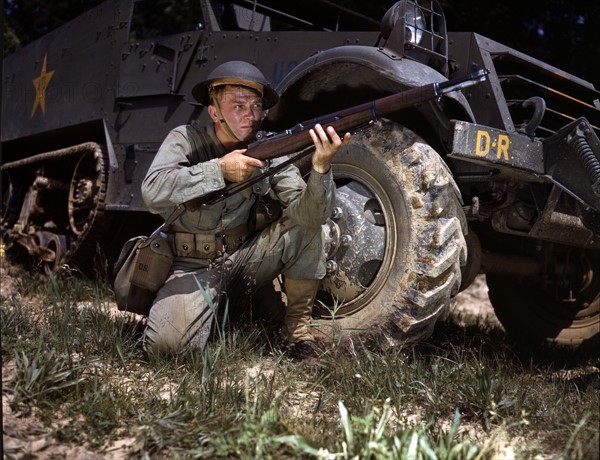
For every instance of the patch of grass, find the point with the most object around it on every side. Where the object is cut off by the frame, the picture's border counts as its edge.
(369, 436)
(15, 323)
(463, 394)
(44, 376)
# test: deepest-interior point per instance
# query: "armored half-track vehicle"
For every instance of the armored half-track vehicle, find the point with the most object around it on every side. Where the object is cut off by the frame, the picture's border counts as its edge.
(501, 178)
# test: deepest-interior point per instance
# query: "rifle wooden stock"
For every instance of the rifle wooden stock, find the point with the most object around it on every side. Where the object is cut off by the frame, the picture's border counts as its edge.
(298, 138)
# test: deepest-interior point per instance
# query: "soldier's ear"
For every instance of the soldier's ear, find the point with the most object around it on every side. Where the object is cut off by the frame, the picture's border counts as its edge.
(212, 112)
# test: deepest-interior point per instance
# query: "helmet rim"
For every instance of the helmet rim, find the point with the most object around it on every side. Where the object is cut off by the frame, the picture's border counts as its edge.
(239, 72)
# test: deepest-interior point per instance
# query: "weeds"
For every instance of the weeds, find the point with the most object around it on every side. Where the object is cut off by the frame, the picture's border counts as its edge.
(44, 376)
(80, 365)
(369, 437)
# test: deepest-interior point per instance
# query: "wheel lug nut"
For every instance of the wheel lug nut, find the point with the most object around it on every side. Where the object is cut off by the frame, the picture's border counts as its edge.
(336, 213)
(331, 266)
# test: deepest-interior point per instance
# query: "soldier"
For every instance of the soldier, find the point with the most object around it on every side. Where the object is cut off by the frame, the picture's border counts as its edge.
(217, 255)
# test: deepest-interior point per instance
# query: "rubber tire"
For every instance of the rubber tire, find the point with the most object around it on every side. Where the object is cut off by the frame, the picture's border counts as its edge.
(535, 317)
(425, 246)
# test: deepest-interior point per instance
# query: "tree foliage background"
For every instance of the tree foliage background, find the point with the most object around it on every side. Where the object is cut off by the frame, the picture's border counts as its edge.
(560, 33)
(564, 34)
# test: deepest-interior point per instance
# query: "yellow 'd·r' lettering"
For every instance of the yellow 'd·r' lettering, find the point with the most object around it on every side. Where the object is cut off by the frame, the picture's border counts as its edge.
(479, 150)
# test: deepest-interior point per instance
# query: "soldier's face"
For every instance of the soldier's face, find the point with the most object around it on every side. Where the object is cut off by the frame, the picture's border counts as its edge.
(242, 109)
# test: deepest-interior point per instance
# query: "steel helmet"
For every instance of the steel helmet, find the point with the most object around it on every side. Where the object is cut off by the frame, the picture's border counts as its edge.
(236, 73)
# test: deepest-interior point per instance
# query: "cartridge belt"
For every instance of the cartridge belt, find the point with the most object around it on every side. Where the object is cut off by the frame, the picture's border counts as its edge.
(206, 245)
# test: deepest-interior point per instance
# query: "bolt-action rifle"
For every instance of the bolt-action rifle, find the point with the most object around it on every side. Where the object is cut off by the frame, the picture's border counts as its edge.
(296, 139)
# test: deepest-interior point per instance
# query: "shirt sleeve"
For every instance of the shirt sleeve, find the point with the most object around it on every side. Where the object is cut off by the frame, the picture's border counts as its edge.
(171, 179)
(308, 203)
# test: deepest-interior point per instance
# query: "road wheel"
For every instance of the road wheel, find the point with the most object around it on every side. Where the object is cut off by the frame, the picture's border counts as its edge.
(561, 309)
(395, 241)
(89, 224)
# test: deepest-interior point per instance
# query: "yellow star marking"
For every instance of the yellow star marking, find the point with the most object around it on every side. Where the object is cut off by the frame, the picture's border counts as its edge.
(41, 85)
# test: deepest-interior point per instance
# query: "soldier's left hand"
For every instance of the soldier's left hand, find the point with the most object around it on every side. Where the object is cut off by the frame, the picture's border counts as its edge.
(327, 143)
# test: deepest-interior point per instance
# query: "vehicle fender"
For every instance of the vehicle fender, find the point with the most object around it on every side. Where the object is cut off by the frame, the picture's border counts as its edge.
(339, 77)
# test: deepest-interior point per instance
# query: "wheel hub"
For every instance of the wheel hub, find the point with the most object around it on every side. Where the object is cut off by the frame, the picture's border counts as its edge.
(355, 242)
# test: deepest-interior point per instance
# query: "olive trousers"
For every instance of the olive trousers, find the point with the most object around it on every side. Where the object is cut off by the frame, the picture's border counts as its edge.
(185, 307)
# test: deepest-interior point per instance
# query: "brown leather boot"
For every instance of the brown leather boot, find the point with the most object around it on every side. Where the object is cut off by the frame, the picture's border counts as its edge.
(300, 300)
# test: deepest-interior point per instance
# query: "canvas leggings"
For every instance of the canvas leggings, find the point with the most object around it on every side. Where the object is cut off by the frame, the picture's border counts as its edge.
(184, 309)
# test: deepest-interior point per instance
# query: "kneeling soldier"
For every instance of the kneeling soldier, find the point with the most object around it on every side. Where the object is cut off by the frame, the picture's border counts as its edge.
(216, 254)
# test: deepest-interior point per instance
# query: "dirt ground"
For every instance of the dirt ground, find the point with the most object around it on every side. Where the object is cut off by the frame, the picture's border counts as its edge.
(26, 437)
(473, 304)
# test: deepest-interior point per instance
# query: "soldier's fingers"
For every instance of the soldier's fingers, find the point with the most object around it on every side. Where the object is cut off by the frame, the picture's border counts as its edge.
(334, 136)
(314, 137)
(321, 133)
(254, 162)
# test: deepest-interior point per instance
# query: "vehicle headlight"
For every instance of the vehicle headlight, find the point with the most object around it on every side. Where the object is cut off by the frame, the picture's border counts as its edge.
(414, 24)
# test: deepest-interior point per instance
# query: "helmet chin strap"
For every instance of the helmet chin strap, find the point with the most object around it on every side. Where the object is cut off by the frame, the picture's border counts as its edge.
(224, 122)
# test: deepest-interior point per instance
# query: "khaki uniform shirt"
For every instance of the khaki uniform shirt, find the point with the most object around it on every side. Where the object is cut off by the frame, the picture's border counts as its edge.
(186, 167)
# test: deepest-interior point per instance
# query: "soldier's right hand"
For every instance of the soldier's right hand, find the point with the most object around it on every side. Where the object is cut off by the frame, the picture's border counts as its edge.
(237, 167)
